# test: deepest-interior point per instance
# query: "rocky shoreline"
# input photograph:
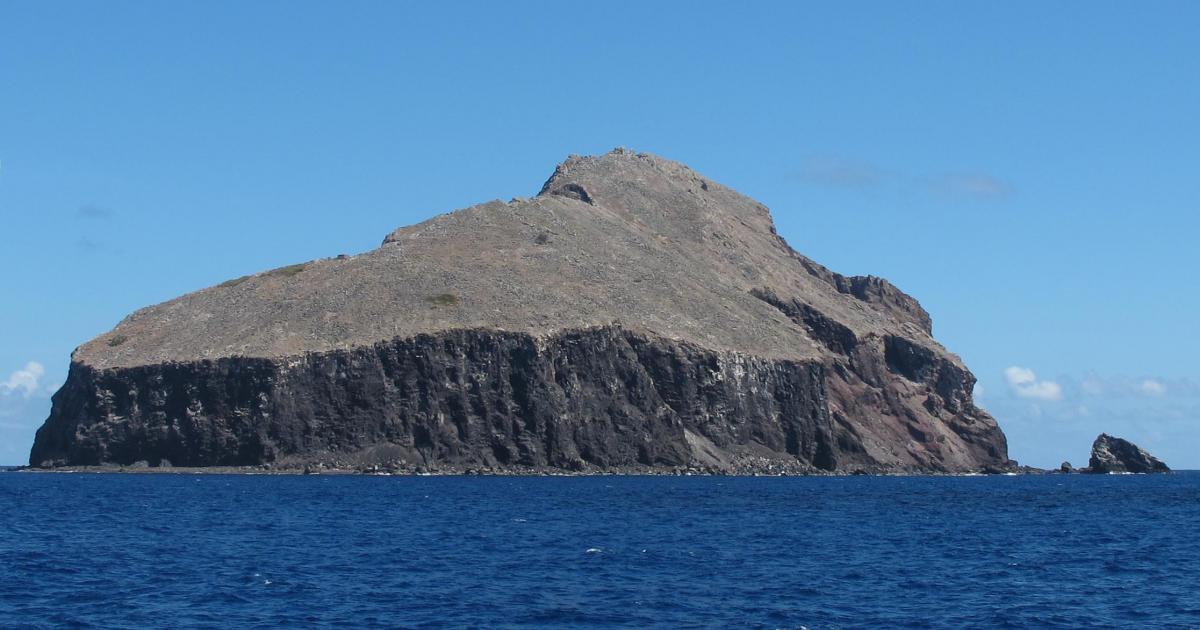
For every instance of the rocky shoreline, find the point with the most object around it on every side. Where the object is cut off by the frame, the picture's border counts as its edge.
(493, 472)
(521, 471)
(1110, 455)
(421, 471)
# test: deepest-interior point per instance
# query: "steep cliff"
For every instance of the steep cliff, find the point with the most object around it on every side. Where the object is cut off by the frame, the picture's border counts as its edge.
(632, 314)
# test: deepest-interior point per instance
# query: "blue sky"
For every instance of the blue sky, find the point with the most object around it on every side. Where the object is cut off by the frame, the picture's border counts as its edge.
(1027, 170)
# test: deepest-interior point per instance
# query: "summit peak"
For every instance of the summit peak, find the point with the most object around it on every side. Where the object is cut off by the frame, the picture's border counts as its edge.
(619, 167)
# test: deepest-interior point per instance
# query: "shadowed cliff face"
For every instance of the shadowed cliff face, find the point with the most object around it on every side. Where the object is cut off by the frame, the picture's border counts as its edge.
(633, 314)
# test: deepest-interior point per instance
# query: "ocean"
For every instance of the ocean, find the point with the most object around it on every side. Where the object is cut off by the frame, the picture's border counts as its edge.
(224, 551)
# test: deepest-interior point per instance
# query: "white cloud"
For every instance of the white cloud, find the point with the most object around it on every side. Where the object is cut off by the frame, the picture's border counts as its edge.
(1151, 387)
(1024, 383)
(979, 392)
(24, 381)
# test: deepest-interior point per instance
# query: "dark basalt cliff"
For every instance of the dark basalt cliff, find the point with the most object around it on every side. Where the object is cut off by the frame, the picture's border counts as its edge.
(633, 315)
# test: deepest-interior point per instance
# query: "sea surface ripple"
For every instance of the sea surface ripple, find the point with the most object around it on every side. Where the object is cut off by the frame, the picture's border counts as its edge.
(220, 551)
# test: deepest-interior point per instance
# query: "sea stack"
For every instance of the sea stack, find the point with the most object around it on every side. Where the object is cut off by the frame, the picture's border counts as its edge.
(1114, 455)
(634, 315)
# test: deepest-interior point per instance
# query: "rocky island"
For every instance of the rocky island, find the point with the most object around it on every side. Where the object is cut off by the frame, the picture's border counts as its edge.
(1115, 455)
(633, 316)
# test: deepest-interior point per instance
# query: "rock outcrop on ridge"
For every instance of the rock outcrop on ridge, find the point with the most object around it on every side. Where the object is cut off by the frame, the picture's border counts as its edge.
(634, 314)
(1115, 455)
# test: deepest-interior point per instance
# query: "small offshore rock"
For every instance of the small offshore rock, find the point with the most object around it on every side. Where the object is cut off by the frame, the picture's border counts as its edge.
(1115, 455)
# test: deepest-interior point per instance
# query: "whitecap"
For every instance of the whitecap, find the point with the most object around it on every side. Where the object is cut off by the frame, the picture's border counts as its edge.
(594, 550)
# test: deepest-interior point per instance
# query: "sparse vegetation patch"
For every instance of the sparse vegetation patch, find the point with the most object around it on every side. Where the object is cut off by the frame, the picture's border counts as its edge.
(443, 299)
(117, 340)
(288, 271)
(234, 282)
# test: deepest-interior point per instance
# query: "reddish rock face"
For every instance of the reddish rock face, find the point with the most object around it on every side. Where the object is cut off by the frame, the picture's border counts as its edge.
(633, 314)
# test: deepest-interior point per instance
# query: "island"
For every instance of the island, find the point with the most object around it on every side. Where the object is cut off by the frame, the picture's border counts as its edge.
(633, 316)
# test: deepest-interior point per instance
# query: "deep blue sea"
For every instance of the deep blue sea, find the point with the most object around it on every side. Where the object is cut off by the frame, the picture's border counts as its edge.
(217, 551)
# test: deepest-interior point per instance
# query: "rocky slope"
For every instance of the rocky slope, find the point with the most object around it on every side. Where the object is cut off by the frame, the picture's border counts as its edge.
(633, 314)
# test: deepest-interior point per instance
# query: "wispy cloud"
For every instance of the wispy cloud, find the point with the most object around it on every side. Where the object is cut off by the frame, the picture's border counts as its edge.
(861, 175)
(88, 245)
(101, 218)
(1025, 384)
(23, 382)
(93, 212)
(1138, 387)
(838, 172)
(1151, 387)
(972, 185)
(1092, 385)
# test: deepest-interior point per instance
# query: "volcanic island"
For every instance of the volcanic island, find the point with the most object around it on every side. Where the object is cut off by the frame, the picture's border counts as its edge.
(632, 317)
